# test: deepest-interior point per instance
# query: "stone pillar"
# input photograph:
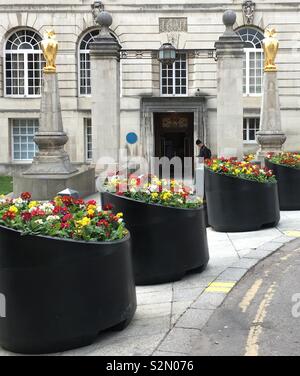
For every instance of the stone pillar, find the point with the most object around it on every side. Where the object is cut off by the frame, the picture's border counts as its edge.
(105, 82)
(230, 52)
(270, 137)
(51, 138)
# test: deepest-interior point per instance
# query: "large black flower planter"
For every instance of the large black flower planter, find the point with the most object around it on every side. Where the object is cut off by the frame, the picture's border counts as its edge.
(288, 185)
(60, 293)
(167, 242)
(237, 205)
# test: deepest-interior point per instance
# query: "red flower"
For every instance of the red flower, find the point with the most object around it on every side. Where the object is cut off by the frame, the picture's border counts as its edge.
(108, 207)
(65, 225)
(38, 213)
(79, 202)
(102, 222)
(67, 200)
(67, 217)
(26, 216)
(92, 202)
(26, 196)
(8, 215)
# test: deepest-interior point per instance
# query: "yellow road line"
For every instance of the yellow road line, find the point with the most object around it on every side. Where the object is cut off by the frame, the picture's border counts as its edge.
(224, 287)
(250, 295)
(292, 234)
(252, 346)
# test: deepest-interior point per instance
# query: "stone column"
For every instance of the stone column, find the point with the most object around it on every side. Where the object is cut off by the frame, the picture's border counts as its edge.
(51, 138)
(105, 82)
(230, 52)
(270, 137)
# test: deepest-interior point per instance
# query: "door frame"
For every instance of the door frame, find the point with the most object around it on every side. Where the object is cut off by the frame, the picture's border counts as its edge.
(149, 106)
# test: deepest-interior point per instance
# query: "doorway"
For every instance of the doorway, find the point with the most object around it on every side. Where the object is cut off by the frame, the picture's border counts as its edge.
(174, 136)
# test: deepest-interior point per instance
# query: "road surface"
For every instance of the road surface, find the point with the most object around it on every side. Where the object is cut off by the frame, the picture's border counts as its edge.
(261, 316)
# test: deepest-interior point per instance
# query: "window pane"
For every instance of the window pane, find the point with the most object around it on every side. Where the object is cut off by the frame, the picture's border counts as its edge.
(88, 139)
(23, 130)
(250, 128)
(23, 63)
(173, 77)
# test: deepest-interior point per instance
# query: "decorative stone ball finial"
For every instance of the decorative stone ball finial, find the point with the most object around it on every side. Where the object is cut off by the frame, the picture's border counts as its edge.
(229, 19)
(105, 20)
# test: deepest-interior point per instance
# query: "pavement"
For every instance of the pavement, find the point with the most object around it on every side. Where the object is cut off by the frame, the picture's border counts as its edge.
(170, 317)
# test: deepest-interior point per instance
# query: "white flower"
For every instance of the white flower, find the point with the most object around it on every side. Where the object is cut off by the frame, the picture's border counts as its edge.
(32, 209)
(153, 188)
(52, 218)
(18, 202)
(39, 222)
(47, 207)
(120, 220)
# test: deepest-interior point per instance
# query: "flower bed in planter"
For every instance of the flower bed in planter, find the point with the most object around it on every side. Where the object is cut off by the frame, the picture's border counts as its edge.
(167, 227)
(286, 167)
(240, 196)
(66, 273)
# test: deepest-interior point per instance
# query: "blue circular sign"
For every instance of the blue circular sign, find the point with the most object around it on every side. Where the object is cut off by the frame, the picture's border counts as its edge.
(132, 138)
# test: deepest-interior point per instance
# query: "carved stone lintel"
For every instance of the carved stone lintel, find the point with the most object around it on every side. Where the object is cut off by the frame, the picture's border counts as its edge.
(173, 24)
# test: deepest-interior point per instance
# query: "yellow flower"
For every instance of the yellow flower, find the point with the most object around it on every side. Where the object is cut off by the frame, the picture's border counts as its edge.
(166, 195)
(84, 222)
(13, 209)
(92, 207)
(119, 215)
(91, 212)
(154, 195)
(58, 201)
(32, 204)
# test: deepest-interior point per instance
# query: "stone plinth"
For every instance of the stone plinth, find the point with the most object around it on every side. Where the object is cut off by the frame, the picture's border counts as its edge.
(270, 137)
(46, 187)
(230, 52)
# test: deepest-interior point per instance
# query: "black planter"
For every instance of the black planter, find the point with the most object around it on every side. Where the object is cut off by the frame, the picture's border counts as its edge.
(236, 205)
(167, 242)
(61, 293)
(288, 185)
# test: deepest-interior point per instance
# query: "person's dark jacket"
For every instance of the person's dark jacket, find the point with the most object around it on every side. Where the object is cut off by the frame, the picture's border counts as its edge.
(205, 152)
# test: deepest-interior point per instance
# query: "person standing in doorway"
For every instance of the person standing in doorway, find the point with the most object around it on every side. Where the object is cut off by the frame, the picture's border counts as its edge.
(204, 151)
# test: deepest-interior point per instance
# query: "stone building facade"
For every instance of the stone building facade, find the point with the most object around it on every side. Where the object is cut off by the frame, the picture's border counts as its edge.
(164, 108)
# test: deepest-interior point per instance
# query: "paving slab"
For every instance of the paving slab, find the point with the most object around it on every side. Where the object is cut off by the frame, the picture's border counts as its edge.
(194, 318)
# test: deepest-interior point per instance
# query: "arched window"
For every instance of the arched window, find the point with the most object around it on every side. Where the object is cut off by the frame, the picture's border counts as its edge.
(23, 64)
(253, 61)
(85, 63)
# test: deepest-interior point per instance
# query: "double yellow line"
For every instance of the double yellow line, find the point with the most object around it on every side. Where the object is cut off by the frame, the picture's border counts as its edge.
(222, 287)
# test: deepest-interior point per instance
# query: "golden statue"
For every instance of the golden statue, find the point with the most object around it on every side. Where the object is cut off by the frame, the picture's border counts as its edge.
(270, 46)
(50, 47)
